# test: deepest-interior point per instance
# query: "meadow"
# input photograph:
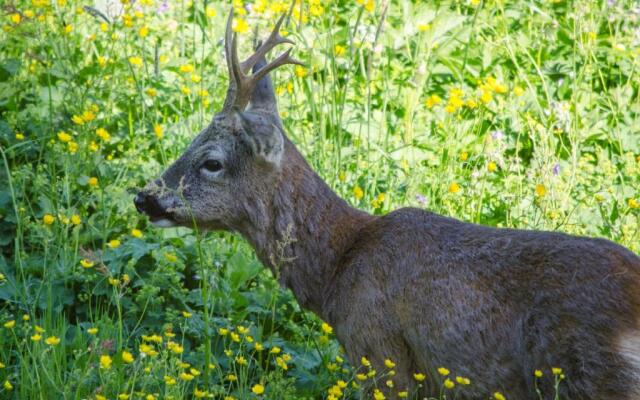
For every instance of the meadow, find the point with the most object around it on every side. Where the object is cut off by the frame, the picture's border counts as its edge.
(506, 113)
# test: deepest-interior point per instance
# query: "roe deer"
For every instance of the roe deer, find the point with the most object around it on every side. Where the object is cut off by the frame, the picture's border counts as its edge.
(412, 286)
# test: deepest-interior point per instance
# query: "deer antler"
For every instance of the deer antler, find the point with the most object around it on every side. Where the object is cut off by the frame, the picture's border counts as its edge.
(240, 85)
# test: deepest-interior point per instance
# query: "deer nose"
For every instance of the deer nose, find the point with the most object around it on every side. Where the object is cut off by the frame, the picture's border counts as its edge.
(140, 201)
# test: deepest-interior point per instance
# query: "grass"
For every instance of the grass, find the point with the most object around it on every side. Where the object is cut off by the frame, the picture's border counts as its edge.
(506, 113)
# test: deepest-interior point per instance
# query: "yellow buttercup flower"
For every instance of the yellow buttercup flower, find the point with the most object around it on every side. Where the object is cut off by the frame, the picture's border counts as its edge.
(240, 25)
(448, 383)
(127, 357)
(419, 377)
(92, 331)
(443, 371)
(257, 389)
(136, 233)
(105, 361)
(52, 340)
(113, 243)
(86, 263)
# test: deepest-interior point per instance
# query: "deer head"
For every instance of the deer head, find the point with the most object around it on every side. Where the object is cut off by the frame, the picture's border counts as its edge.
(238, 156)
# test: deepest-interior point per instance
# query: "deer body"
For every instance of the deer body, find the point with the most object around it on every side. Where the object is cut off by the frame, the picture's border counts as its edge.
(423, 290)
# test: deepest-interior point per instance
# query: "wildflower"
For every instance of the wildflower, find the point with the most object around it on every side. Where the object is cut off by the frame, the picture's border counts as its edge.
(15, 18)
(257, 389)
(540, 190)
(433, 100)
(235, 337)
(518, 91)
(169, 381)
(199, 394)
(241, 360)
(275, 350)
(454, 188)
(448, 383)
(300, 71)
(75, 219)
(113, 243)
(339, 50)
(158, 131)
(10, 324)
(64, 137)
(537, 373)
(123, 396)
(1, 365)
(240, 26)
(186, 314)
(127, 357)
(556, 371)
(195, 78)
(389, 383)
(403, 394)
(368, 5)
(26, 317)
(143, 32)
(232, 378)
(358, 193)
(7, 385)
(633, 203)
(194, 371)
(326, 328)
(186, 68)
(105, 361)
(443, 371)
(136, 233)
(36, 337)
(419, 377)
(211, 12)
(93, 181)
(92, 331)
(38, 329)
(423, 27)
(52, 340)
(19, 136)
(492, 166)
(389, 364)
(365, 362)
(378, 395)
(361, 377)
(498, 396)
(175, 347)
(103, 134)
(463, 381)
(151, 92)
(86, 263)
(135, 60)
(68, 28)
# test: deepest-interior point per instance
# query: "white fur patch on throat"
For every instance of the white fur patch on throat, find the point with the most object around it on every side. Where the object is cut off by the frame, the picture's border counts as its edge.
(163, 223)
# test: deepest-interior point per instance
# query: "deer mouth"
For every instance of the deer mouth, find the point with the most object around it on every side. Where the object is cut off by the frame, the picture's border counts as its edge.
(158, 215)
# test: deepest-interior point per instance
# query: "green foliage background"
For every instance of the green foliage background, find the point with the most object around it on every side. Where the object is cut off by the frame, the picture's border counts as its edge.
(506, 113)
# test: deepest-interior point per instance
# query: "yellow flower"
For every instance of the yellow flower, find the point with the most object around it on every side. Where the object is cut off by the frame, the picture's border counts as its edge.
(241, 360)
(103, 134)
(223, 331)
(148, 350)
(364, 361)
(26, 317)
(498, 396)
(105, 361)
(240, 26)
(113, 243)
(633, 203)
(64, 137)
(186, 68)
(443, 371)
(175, 347)
(195, 78)
(7, 385)
(38, 329)
(199, 394)
(361, 377)
(135, 60)
(540, 190)
(462, 380)
(48, 219)
(518, 91)
(464, 156)
(75, 219)
(93, 181)
(556, 371)
(423, 27)
(368, 5)
(300, 71)
(186, 314)
(123, 396)
(36, 337)
(127, 357)
(151, 92)
(169, 380)
(433, 100)
(158, 131)
(454, 188)
(326, 328)
(92, 331)
(339, 50)
(19, 136)
(136, 233)
(210, 11)
(389, 364)
(358, 193)
(67, 28)
(52, 340)
(143, 32)
(492, 166)
(257, 389)
(403, 395)
(537, 373)
(486, 97)
(448, 383)
(86, 263)
(15, 18)
(232, 378)
(258, 347)
(419, 377)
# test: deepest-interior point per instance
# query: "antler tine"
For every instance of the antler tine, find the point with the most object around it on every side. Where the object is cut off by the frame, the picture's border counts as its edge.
(229, 50)
(284, 58)
(272, 41)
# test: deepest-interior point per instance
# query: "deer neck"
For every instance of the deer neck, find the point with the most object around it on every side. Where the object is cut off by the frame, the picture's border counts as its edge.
(303, 232)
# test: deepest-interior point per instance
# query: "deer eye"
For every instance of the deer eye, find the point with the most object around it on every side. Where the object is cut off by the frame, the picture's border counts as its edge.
(212, 165)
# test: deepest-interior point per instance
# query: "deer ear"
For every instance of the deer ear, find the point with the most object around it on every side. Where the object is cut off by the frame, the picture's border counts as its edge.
(263, 98)
(263, 135)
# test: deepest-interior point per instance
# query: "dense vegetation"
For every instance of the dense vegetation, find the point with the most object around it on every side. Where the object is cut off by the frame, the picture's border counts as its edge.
(506, 113)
